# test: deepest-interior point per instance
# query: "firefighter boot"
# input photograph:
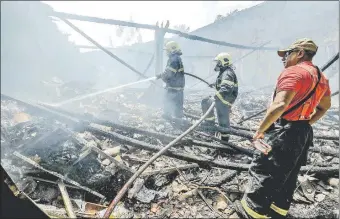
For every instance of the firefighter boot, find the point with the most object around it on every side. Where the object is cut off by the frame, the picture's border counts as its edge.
(225, 138)
(274, 214)
(222, 136)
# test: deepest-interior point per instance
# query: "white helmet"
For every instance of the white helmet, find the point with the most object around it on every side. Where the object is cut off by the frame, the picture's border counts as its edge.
(223, 59)
(172, 47)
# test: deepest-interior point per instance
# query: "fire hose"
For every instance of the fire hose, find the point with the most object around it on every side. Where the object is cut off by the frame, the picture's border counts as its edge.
(194, 76)
(123, 190)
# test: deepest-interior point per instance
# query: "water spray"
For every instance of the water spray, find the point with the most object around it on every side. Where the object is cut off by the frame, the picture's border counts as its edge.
(102, 91)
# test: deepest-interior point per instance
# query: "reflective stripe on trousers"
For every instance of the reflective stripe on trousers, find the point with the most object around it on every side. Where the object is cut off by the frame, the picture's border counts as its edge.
(250, 211)
(175, 88)
(222, 99)
(222, 111)
(210, 118)
(278, 210)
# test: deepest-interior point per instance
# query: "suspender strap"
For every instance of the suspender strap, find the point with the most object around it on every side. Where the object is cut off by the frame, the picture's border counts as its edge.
(307, 97)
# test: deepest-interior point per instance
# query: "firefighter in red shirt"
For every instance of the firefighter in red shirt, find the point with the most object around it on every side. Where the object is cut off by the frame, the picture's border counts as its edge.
(301, 97)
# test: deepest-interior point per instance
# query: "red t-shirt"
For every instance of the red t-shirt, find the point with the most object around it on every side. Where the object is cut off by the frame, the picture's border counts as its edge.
(302, 78)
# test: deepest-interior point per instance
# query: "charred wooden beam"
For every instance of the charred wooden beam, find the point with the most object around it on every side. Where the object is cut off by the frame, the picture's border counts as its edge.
(169, 170)
(143, 145)
(51, 113)
(52, 182)
(326, 137)
(324, 151)
(71, 116)
(63, 15)
(246, 151)
(230, 131)
(233, 126)
(249, 135)
(189, 158)
(123, 190)
(162, 136)
(330, 170)
(243, 128)
(66, 199)
(227, 147)
(33, 163)
(81, 141)
(252, 116)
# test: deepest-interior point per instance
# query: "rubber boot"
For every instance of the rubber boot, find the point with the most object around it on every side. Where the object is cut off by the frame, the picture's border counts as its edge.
(274, 214)
(225, 139)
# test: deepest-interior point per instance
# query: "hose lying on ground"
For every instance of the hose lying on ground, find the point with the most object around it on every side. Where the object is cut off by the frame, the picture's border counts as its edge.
(123, 190)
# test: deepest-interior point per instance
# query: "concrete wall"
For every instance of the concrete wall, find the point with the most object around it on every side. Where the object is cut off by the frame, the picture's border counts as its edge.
(282, 22)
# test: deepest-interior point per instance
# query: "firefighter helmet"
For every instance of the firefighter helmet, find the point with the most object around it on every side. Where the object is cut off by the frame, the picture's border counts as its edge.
(172, 47)
(223, 59)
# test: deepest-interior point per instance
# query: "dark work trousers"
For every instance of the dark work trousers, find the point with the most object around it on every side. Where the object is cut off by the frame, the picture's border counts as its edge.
(222, 111)
(173, 103)
(273, 177)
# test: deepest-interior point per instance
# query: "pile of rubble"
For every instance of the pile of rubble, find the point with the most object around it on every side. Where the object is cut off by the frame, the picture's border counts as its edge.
(95, 145)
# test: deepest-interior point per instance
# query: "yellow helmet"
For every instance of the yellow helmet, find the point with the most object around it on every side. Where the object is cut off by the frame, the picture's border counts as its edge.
(223, 59)
(172, 47)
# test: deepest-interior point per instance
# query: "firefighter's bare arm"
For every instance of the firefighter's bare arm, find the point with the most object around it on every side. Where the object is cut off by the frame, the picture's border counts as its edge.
(275, 110)
(321, 109)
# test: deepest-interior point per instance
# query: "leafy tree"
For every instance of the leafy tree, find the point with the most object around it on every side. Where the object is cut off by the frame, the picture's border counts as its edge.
(182, 27)
(129, 35)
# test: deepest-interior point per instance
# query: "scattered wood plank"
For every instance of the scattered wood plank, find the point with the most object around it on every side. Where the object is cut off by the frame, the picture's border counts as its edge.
(66, 199)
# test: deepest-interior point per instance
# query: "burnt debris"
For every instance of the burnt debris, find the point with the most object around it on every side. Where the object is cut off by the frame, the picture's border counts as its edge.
(74, 163)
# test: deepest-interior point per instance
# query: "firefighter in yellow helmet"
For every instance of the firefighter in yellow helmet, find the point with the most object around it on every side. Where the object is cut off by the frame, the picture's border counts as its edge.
(173, 77)
(226, 94)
